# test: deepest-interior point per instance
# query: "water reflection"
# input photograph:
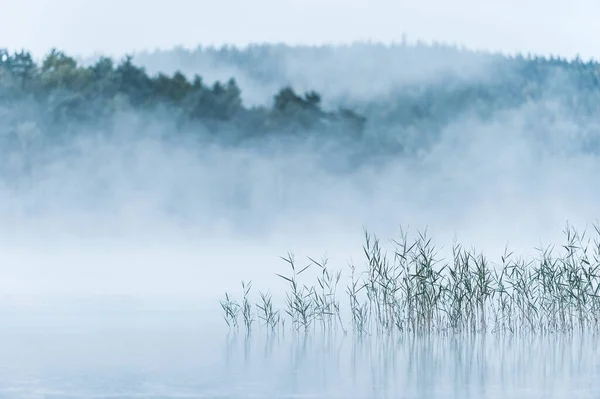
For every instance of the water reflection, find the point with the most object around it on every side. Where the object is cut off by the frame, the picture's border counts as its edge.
(127, 353)
(434, 366)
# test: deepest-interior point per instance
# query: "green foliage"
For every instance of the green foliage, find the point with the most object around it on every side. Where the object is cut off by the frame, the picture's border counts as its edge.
(409, 289)
(68, 93)
(59, 93)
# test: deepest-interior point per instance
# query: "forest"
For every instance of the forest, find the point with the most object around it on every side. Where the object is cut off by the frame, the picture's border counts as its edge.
(59, 93)
(64, 93)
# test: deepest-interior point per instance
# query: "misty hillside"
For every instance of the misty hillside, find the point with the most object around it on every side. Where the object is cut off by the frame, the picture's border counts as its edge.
(62, 92)
(369, 73)
(389, 99)
(408, 93)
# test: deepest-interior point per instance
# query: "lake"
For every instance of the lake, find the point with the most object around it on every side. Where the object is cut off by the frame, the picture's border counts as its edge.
(125, 348)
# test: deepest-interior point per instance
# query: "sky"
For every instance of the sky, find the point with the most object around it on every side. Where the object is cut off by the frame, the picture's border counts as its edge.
(113, 27)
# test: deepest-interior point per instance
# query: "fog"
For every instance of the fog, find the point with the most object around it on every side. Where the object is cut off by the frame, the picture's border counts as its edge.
(136, 214)
(356, 73)
(118, 240)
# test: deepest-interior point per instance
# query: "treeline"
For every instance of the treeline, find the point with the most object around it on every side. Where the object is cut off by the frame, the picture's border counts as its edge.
(404, 92)
(405, 85)
(511, 82)
(64, 92)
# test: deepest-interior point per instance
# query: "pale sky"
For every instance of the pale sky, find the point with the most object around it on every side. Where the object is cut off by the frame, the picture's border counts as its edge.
(118, 26)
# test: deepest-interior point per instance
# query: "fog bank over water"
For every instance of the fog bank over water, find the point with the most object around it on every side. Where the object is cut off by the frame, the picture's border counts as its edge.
(146, 207)
(153, 218)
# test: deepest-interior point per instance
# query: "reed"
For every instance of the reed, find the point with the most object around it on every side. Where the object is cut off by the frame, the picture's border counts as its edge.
(408, 289)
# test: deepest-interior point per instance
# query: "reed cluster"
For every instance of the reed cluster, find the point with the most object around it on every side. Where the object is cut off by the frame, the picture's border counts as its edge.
(407, 289)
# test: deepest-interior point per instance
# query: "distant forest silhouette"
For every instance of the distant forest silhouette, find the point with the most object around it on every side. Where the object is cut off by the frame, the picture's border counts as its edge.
(66, 92)
(59, 92)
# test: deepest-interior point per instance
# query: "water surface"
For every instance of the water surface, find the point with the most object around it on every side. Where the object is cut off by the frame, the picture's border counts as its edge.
(131, 349)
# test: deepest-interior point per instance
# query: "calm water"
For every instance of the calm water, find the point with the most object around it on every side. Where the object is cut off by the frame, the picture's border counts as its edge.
(120, 349)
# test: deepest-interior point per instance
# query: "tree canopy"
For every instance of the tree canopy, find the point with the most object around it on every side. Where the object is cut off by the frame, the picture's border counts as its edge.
(66, 92)
(60, 92)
